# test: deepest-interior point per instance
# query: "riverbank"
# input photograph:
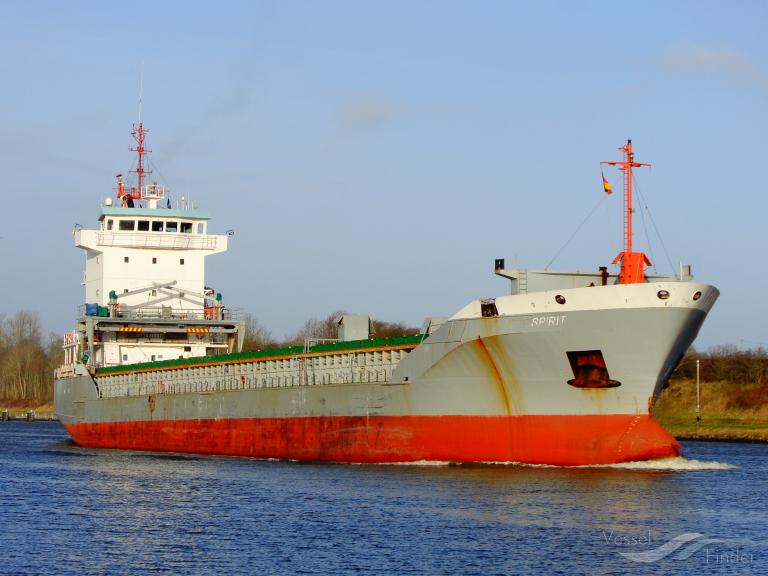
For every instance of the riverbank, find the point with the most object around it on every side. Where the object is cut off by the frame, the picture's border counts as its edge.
(17, 410)
(729, 412)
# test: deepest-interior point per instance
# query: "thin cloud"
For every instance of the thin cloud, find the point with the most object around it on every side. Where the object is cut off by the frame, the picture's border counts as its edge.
(727, 63)
(366, 114)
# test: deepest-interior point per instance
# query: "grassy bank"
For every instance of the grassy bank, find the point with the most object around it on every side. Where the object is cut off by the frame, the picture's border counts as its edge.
(729, 411)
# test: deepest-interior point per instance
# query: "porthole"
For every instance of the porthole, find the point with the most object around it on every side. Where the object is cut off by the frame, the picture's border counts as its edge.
(696, 295)
(662, 294)
(560, 299)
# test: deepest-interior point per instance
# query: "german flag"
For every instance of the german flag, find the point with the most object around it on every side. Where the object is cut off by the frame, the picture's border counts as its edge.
(606, 185)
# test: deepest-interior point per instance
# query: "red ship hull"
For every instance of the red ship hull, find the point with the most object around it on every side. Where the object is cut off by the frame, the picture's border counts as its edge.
(558, 440)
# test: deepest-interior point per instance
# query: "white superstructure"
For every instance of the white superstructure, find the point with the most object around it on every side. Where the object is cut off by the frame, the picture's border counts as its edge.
(145, 293)
(148, 257)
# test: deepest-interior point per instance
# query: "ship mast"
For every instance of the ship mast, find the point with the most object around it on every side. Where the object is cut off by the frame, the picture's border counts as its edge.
(632, 263)
(138, 135)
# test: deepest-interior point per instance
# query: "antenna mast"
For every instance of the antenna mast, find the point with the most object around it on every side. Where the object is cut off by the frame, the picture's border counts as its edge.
(632, 263)
(141, 90)
(138, 134)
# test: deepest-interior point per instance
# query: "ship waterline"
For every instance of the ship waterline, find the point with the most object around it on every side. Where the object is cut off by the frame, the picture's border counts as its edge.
(552, 440)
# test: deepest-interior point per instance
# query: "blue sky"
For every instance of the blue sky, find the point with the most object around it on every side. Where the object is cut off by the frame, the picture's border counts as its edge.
(377, 157)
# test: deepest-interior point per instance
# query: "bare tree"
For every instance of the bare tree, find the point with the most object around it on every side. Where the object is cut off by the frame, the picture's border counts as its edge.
(328, 328)
(383, 329)
(26, 366)
(318, 328)
(256, 336)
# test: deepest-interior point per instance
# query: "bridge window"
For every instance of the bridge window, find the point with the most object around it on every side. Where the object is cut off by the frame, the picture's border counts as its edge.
(154, 260)
(157, 226)
(110, 224)
(171, 226)
(181, 261)
(127, 225)
(186, 227)
(125, 259)
(200, 228)
(143, 225)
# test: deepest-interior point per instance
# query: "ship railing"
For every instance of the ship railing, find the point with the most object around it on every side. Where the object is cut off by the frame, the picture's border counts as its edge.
(157, 240)
(116, 386)
(64, 371)
(340, 367)
(170, 313)
(153, 191)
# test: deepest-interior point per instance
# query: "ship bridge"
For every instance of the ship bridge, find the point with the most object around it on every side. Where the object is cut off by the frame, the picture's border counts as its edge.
(152, 228)
(135, 249)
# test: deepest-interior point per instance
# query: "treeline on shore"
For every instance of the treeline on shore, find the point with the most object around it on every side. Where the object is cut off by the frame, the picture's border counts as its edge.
(27, 359)
(726, 364)
(257, 337)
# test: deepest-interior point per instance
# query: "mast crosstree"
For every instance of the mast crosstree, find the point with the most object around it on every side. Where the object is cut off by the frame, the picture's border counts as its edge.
(632, 263)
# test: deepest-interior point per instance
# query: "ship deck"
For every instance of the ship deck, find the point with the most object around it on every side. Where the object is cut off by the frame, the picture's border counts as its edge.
(322, 349)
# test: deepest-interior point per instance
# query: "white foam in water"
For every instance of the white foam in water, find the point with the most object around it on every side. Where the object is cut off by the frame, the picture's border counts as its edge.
(417, 463)
(675, 464)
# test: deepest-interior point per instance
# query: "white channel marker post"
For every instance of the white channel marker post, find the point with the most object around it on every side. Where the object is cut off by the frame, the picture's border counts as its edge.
(698, 393)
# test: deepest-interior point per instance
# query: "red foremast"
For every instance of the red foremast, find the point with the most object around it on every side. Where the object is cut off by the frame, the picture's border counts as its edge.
(632, 263)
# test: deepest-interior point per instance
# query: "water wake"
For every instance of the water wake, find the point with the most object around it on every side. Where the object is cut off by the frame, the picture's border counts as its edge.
(674, 464)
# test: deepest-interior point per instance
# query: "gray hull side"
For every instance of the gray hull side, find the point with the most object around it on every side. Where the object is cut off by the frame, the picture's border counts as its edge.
(490, 366)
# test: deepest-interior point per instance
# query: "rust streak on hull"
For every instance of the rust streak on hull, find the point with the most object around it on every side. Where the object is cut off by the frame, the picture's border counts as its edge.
(496, 374)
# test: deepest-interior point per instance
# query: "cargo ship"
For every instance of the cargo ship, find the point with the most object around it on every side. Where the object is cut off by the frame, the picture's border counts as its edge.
(561, 370)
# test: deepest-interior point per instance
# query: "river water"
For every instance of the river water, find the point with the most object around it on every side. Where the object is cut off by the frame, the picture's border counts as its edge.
(69, 510)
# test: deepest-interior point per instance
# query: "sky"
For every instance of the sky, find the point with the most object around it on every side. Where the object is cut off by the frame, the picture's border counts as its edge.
(377, 157)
